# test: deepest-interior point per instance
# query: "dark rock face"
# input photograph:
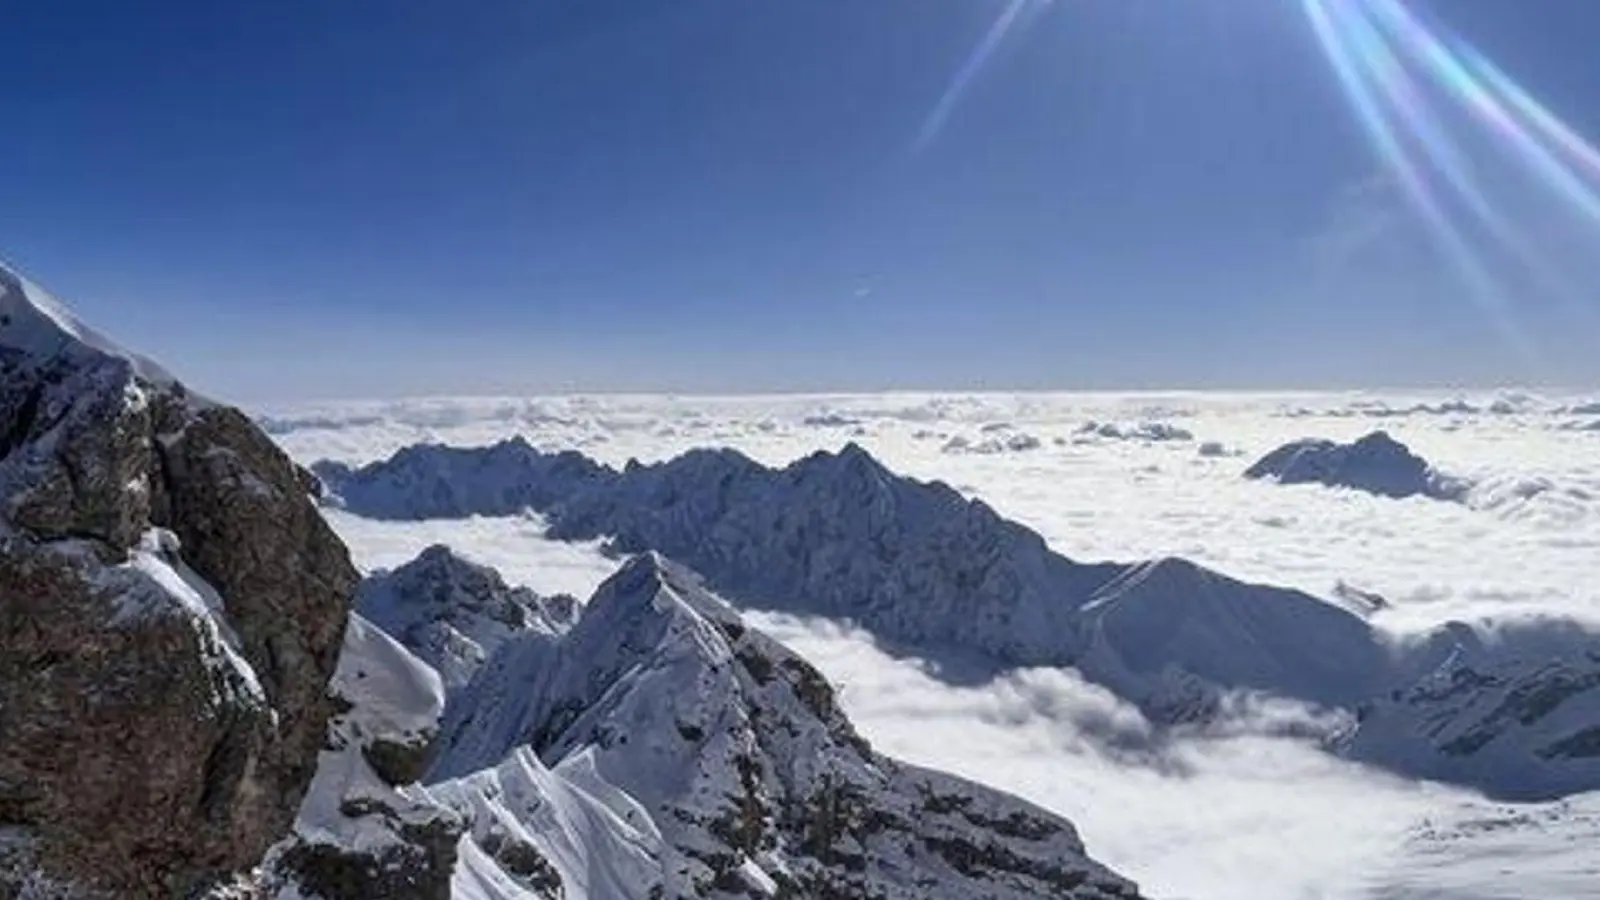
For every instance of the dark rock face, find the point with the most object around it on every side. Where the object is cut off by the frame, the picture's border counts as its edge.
(417, 868)
(171, 609)
(1377, 464)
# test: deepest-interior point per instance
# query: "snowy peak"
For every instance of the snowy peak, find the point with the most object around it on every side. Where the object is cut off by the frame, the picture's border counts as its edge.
(454, 613)
(38, 328)
(738, 755)
(1376, 463)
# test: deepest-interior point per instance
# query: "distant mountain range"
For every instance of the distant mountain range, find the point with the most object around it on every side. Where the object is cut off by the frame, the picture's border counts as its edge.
(921, 567)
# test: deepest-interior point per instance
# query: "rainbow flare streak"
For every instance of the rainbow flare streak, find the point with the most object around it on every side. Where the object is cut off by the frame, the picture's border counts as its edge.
(1410, 107)
(1344, 53)
(1553, 128)
(1487, 98)
(1388, 61)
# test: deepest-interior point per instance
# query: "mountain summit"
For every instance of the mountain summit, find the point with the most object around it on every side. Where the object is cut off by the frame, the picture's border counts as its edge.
(1377, 464)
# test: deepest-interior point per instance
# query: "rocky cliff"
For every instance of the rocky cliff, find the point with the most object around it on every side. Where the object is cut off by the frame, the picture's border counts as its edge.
(171, 611)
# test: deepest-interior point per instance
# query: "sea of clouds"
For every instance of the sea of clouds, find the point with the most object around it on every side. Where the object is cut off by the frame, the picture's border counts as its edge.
(1238, 815)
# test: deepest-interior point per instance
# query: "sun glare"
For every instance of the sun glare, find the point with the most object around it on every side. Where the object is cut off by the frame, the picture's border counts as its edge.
(1391, 63)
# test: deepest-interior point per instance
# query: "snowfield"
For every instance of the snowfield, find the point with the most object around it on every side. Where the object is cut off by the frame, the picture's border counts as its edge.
(1245, 813)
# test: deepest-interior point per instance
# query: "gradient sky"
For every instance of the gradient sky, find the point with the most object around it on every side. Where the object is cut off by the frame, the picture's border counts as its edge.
(362, 198)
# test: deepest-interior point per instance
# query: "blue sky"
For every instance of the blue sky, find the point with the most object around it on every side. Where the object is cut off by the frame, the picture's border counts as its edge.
(311, 199)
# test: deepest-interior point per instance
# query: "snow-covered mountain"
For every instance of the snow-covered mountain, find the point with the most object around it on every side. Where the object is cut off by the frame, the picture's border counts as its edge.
(657, 747)
(839, 535)
(1376, 463)
(191, 709)
(454, 613)
(727, 758)
(1529, 725)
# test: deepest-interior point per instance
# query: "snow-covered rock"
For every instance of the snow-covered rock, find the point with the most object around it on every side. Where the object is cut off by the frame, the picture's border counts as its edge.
(175, 605)
(453, 613)
(1377, 464)
(1522, 727)
(705, 745)
(365, 829)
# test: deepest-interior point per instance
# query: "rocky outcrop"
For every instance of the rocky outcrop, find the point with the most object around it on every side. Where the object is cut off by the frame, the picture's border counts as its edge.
(453, 613)
(366, 830)
(171, 611)
(1377, 464)
(1519, 726)
(727, 758)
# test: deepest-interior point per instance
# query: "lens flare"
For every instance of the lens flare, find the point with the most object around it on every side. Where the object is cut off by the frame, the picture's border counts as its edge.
(1344, 53)
(1391, 65)
(964, 77)
(1452, 73)
(1410, 107)
(1554, 130)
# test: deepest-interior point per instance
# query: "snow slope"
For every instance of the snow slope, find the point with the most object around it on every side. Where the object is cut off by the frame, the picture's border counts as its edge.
(734, 751)
(36, 325)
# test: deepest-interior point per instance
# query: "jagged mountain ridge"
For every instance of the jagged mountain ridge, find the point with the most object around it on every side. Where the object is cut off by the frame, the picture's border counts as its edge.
(729, 756)
(839, 535)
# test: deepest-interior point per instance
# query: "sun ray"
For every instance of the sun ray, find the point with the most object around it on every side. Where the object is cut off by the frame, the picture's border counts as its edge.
(1581, 151)
(1413, 111)
(936, 119)
(1376, 122)
(1453, 74)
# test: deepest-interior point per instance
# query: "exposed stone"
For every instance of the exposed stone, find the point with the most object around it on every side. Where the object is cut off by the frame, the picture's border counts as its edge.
(171, 608)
